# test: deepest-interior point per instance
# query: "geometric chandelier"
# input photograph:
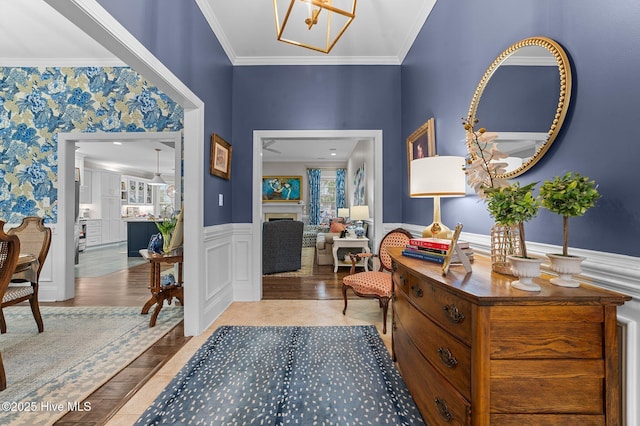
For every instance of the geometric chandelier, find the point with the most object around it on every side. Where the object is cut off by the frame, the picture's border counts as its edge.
(313, 24)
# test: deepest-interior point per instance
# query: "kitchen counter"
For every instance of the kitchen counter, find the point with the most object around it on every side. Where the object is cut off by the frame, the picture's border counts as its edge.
(139, 232)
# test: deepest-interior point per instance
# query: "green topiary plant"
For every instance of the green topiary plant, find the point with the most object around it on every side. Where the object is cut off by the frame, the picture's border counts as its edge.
(568, 195)
(513, 205)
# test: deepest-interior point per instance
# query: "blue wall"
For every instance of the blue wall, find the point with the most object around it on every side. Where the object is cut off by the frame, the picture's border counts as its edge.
(177, 33)
(316, 98)
(599, 137)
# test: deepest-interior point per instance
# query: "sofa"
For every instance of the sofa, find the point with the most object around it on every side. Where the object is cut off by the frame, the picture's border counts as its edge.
(281, 246)
(324, 247)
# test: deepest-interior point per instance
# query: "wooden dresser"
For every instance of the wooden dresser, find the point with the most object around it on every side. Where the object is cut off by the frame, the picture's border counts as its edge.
(474, 351)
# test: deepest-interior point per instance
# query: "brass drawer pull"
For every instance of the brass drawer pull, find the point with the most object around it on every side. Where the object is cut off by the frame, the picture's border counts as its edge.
(443, 410)
(454, 314)
(447, 357)
(417, 291)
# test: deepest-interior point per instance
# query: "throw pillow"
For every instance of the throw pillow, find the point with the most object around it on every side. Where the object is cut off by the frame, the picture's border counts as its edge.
(337, 227)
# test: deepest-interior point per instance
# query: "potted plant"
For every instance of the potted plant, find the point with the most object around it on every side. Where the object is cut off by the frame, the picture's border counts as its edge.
(568, 195)
(166, 227)
(514, 205)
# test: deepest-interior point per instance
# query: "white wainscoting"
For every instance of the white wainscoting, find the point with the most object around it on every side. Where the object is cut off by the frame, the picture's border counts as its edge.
(607, 270)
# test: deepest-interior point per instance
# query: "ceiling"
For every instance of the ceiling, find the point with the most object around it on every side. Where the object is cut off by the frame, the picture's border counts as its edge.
(32, 33)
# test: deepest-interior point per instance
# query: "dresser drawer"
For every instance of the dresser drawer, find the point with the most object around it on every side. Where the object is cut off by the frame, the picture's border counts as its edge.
(449, 311)
(448, 355)
(437, 400)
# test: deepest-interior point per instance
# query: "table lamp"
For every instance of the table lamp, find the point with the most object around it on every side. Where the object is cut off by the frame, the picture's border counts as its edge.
(359, 213)
(435, 177)
(343, 212)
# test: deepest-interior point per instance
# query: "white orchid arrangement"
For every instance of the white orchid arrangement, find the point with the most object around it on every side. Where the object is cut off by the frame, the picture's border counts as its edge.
(484, 166)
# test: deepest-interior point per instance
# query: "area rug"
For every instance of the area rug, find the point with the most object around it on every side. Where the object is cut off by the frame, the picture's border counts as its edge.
(308, 254)
(287, 375)
(80, 349)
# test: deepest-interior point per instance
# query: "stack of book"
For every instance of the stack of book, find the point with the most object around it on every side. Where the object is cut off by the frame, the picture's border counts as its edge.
(435, 249)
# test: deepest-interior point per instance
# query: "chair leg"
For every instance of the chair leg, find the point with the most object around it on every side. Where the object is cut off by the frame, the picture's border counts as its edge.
(3, 377)
(384, 302)
(344, 296)
(3, 324)
(36, 314)
(35, 308)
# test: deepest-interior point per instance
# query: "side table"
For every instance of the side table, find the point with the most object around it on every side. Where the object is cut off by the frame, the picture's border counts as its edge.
(350, 242)
(160, 293)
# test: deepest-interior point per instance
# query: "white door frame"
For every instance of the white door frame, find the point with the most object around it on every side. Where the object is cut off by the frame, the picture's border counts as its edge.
(94, 20)
(261, 135)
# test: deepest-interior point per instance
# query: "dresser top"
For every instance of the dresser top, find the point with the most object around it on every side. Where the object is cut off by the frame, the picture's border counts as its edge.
(485, 287)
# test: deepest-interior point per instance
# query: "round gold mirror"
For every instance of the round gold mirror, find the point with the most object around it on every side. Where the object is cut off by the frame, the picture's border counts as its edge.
(524, 97)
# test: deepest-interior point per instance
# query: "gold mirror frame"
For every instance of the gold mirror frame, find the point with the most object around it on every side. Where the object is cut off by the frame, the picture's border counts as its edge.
(564, 69)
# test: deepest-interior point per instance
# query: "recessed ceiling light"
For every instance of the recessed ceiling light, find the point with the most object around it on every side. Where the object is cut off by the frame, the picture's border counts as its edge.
(333, 154)
(117, 143)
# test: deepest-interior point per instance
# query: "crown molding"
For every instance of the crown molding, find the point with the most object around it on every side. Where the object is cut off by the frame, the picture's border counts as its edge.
(324, 60)
(61, 62)
(412, 34)
(217, 29)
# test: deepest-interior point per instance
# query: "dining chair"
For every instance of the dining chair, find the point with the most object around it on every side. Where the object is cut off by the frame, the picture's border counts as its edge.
(375, 284)
(35, 239)
(9, 252)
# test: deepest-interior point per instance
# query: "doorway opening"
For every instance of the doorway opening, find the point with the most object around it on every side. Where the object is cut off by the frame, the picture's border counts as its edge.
(373, 166)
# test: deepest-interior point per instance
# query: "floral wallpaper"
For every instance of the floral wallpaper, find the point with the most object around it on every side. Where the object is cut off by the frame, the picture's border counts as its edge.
(38, 103)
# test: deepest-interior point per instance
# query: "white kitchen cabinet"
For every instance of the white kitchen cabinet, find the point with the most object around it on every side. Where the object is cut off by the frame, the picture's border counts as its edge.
(106, 199)
(94, 232)
(85, 188)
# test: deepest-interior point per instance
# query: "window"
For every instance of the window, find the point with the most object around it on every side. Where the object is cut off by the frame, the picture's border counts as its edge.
(327, 196)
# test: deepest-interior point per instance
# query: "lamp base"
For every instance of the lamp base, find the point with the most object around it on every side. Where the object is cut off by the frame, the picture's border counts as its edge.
(437, 230)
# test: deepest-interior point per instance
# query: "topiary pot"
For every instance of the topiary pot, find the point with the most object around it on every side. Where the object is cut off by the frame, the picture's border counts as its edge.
(566, 267)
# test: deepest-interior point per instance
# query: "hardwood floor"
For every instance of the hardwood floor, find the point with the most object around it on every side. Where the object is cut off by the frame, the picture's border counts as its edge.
(129, 287)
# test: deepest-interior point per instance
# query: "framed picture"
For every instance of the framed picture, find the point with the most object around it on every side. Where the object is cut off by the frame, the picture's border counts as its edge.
(421, 143)
(281, 188)
(220, 157)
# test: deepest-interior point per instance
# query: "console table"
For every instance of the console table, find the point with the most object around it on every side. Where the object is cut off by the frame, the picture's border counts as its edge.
(350, 242)
(474, 351)
(160, 293)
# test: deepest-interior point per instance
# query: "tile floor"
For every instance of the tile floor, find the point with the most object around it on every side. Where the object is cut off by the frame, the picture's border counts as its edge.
(103, 260)
(266, 312)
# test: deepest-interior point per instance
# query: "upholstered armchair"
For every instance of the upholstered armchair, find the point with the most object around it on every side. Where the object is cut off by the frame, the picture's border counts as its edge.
(281, 246)
(376, 284)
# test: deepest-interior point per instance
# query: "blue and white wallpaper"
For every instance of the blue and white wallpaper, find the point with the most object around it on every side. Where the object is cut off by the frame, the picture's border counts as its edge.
(38, 103)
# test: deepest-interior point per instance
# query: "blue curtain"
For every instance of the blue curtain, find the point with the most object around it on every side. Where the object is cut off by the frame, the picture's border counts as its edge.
(314, 196)
(340, 198)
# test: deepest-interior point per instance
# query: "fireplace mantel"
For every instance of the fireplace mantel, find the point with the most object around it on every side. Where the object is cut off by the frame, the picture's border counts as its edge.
(282, 210)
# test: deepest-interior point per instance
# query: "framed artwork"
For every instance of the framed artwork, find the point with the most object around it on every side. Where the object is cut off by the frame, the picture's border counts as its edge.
(359, 187)
(281, 188)
(220, 157)
(421, 143)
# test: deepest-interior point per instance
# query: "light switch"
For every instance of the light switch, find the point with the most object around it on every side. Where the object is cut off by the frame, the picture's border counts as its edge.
(220, 200)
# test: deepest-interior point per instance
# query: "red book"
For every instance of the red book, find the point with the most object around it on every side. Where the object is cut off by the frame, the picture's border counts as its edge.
(436, 243)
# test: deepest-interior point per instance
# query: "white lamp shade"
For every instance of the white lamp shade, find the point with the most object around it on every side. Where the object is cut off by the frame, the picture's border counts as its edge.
(343, 212)
(439, 176)
(359, 213)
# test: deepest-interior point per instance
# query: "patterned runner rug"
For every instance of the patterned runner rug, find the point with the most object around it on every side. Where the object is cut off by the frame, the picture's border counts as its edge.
(287, 375)
(80, 349)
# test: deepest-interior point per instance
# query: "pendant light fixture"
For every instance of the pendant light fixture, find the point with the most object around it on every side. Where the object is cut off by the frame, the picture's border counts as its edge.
(313, 24)
(157, 179)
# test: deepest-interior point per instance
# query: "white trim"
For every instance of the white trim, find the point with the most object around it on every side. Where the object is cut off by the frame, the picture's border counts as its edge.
(630, 353)
(412, 34)
(323, 60)
(89, 16)
(258, 137)
(61, 62)
(206, 10)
